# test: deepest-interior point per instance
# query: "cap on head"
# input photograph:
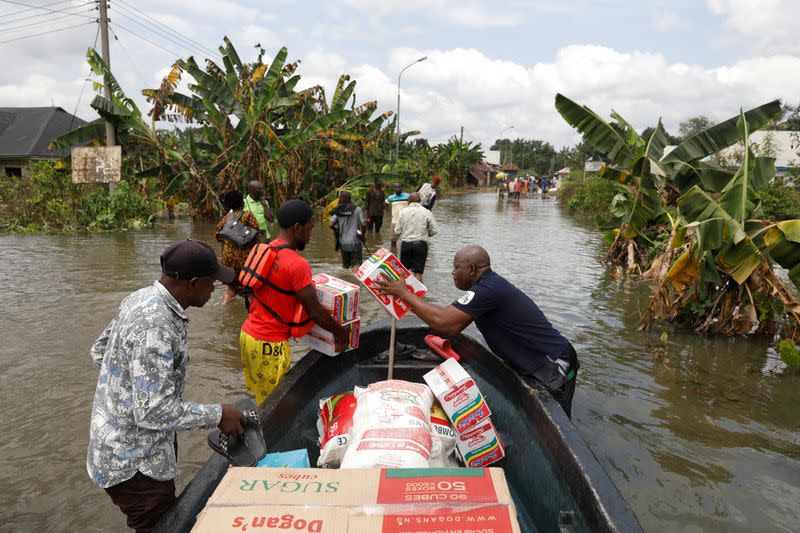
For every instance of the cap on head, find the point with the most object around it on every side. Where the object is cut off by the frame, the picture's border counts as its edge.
(294, 212)
(194, 259)
(436, 180)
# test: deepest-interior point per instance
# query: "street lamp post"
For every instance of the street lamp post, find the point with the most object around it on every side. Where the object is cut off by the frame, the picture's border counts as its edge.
(499, 139)
(397, 147)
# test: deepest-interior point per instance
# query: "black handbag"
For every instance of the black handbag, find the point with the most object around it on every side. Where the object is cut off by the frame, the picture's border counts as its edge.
(240, 234)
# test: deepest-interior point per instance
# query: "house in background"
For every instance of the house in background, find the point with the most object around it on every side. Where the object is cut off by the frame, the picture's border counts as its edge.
(26, 132)
(482, 174)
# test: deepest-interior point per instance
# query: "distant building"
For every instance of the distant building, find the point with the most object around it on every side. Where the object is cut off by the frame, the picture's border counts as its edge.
(26, 132)
(563, 173)
(482, 174)
(510, 168)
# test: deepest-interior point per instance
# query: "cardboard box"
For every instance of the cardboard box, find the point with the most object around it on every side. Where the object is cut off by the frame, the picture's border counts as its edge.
(459, 395)
(323, 341)
(273, 518)
(481, 445)
(338, 297)
(399, 490)
(495, 519)
(383, 262)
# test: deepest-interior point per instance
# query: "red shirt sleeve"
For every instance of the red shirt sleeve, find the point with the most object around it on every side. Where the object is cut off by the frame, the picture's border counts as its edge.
(298, 273)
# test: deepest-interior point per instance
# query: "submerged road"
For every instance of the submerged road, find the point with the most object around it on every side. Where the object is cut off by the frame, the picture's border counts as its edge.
(696, 436)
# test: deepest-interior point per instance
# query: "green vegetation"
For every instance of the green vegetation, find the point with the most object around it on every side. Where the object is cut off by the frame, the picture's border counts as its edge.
(592, 196)
(697, 229)
(48, 201)
(248, 121)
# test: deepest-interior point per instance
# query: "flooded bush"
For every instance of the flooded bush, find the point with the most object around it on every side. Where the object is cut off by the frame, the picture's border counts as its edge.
(592, 196)
(779, 201)
(47, 201)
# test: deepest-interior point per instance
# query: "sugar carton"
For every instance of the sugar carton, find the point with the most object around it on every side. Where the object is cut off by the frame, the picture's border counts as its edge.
(459, 395)
(481, 445)
(338, 297)
(323, 341)
(383, 262)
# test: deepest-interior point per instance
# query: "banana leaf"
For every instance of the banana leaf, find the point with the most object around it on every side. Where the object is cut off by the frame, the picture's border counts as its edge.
(782, 243)
(599, 133)
(684, 272)
(722, 135)
(80, 135)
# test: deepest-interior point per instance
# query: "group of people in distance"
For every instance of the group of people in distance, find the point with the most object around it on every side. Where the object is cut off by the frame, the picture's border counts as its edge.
(412, 225)
(517, 187)
(142, 355)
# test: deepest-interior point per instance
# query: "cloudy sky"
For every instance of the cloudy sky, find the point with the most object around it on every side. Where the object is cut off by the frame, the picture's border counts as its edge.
(491, 64)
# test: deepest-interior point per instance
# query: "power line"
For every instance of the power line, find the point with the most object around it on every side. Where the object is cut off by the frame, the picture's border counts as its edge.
(135, 70)
(44, 8)
(46, 32)
(158, 33)
(37, 7)
(71, 12)
(178, 34)
(37, 22)
(120, 26)
(80, 96)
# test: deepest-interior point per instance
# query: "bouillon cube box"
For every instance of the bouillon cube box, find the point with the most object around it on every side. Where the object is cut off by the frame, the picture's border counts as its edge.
(338, 297)
(323, 341)
(459, 395)
(481, 445)
(384, 263)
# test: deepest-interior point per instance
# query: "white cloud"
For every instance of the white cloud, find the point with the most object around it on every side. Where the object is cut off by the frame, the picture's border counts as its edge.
(465, 87)
(470, 13)
(770, 26)
(666, 21)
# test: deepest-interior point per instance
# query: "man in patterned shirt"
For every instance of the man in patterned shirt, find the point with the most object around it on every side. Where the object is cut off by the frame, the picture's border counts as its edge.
(142, 356)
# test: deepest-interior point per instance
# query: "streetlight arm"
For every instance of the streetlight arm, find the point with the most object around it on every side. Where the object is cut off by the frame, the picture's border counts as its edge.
(397, 146)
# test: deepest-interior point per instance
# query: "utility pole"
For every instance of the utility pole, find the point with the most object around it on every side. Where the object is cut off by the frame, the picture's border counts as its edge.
(110, 137)
(462, 135)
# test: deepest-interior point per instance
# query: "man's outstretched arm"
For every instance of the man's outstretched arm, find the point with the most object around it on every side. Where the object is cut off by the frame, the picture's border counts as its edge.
(447, 320)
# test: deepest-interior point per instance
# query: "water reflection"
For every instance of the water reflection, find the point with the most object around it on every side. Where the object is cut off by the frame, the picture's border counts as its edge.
(697, 436)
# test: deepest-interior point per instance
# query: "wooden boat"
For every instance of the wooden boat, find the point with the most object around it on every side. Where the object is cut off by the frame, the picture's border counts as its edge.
(556, 482)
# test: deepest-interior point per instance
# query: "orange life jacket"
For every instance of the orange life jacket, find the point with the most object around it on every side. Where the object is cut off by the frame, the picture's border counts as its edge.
(256, 272)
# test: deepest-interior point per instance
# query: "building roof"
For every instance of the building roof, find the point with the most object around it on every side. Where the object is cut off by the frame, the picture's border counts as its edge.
(564, 170)
(510, 167)
(25, 132)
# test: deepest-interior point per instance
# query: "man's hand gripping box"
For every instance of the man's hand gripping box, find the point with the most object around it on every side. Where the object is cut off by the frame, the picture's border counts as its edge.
(384, 263)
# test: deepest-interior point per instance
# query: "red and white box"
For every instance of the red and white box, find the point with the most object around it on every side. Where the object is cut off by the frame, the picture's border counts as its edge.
(459, 395)
(323, 341)
(480, 446)
(338, 297)
(384, 263)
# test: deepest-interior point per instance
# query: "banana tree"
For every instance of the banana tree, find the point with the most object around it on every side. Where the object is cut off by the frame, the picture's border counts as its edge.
(723, 281)
(633, 162)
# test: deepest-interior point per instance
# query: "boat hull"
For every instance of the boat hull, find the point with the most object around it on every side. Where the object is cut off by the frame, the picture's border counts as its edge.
(557, 483)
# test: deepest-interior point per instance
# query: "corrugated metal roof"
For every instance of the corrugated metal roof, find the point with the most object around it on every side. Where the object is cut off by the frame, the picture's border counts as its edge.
(25, 132)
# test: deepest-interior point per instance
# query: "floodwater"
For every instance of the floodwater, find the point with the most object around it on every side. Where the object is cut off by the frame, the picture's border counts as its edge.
(701, 435)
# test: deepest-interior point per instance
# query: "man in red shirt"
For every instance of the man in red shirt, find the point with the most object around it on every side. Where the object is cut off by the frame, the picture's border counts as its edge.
(264, 339)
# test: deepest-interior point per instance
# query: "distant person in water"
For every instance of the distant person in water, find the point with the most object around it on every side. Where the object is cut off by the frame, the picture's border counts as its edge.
(396, 203)
(347, 222)
(416, 225)
(374, 205)
(511, 323)
(255, 203)
(427, 193)
(232, 255)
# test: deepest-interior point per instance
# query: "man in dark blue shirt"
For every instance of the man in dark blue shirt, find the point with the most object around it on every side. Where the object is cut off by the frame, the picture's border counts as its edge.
(512, 324)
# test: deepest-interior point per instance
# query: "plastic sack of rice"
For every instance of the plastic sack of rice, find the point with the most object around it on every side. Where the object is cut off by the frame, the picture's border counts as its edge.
(443, 450)
(334, 424)
(391, 426)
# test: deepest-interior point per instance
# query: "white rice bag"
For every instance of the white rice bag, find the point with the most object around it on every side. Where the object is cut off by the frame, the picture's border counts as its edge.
(391, 426)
